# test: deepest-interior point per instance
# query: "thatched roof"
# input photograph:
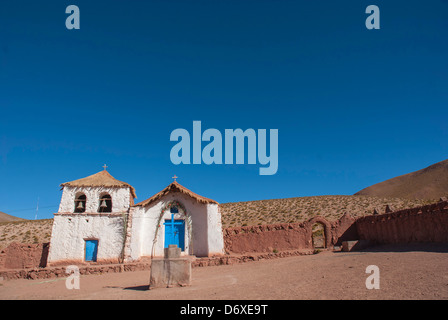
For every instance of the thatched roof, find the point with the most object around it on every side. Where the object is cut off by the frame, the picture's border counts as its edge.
(100, 179)
(175, 187)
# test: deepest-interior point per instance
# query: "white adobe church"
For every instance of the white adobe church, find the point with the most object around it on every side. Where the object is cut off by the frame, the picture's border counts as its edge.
(97, 221)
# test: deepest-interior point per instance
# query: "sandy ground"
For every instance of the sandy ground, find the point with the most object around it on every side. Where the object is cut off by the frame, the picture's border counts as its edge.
(411, 274)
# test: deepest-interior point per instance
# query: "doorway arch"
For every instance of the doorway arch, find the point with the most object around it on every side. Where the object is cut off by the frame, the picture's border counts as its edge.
(320, 233)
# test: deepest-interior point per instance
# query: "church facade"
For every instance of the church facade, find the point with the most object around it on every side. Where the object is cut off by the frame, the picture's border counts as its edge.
(98, 221)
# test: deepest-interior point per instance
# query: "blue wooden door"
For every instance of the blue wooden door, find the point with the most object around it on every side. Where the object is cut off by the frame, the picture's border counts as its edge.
(175, 233)
(91, 250)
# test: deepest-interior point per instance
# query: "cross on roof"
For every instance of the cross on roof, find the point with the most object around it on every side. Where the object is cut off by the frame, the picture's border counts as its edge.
(104, 167)
(175, 177)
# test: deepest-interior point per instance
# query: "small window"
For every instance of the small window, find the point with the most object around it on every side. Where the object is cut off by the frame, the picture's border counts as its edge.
(80, 203)
(105, 203)
(174, 209)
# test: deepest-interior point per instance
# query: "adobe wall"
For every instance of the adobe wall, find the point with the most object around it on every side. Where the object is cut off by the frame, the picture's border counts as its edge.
(422, 224)
(70, 230)
(206, 228)
(60, 271)
(266, 238)
(287, 236)
(23, 256)
(121, 198)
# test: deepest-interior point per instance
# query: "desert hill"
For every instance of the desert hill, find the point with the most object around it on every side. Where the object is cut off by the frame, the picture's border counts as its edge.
(301, 209)
(427, 183)
(8, 218)
(25, 231)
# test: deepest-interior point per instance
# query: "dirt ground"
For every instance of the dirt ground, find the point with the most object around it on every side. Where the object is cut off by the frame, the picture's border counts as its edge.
(405, 273)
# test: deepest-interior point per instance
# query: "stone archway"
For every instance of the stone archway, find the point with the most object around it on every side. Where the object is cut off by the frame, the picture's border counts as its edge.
(318, 235)
(324, 228)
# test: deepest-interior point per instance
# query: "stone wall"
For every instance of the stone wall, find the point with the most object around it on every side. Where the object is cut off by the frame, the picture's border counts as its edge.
(60, 272)
(422, 224)
(23, 256)
(287, 236)
(267, 238)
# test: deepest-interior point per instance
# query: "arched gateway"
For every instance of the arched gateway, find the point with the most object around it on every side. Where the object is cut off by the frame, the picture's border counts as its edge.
(323, 232)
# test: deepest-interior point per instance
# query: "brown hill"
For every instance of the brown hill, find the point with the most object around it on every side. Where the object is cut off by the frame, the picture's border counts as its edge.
(428, 183)
(8, 218)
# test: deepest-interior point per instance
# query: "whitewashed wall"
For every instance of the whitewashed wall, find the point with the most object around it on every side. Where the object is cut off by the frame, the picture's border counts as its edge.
(121, 198)
(206, 235)
(70, 231)
(215, 237)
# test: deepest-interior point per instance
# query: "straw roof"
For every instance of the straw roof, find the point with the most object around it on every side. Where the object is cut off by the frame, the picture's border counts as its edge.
(100, 179)
(175, 187)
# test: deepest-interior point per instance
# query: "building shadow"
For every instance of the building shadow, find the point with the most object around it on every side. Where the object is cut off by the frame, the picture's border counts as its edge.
(407, 247)
(138, 288)
(44, 255)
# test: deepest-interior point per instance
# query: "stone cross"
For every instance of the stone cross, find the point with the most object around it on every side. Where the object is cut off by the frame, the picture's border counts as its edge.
(175, 177)
(104, 167)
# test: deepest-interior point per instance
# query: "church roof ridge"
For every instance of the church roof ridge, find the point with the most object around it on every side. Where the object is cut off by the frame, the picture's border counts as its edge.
(100, 179)
(175, 186)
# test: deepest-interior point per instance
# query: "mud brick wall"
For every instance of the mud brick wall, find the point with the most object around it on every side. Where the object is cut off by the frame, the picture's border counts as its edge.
(287, 236)
(60, 272)
(24, 256)
(344, 229)
(422, 224)
(266, 238)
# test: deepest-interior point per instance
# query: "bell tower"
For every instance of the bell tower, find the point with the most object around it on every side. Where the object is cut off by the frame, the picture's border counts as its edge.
(98, 193)
(89, 225)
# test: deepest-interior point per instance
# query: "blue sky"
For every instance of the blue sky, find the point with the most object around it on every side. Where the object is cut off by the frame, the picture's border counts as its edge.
(353, 106)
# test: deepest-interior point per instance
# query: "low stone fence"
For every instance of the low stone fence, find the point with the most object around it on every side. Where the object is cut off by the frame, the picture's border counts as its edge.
(287, 236)
(421, 224)
(59, 272)
(23, 256)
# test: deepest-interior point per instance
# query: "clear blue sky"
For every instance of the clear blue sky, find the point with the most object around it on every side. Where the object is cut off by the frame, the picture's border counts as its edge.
(353, 106)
